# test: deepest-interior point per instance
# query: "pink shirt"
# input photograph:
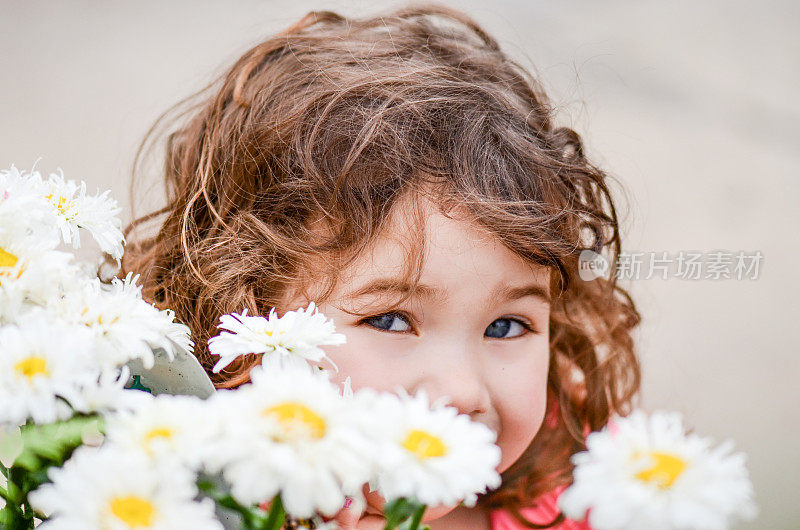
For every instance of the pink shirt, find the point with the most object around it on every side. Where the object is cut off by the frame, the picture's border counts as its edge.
(544, 511)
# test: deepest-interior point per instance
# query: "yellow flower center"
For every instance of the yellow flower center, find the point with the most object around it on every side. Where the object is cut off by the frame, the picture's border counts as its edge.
(297, 420)
(100, 321)
(7, 259)
(275, 334)
(666, 470)
(135, 512)
(159, 432)
(424, 445)
(31, 367)
(89, 321)
(63, 205)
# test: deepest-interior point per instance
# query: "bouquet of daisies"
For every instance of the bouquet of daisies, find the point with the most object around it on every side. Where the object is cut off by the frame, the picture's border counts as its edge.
(646, 471)
(82, 446)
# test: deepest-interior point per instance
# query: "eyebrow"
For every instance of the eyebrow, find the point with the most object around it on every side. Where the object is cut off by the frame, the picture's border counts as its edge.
(508, 293)
(390, 286)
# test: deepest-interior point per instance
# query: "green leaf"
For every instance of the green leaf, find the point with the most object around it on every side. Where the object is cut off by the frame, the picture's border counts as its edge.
(10, 445)
(276, 516)
(400, 510)
(53, 443)
(413, 522)
(395, 512)
(251, 517)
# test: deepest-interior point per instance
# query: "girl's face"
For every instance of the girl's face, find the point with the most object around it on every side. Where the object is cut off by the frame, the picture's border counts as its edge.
(475, 331)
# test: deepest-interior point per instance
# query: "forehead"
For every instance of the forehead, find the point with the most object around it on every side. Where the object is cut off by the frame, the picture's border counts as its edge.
(456, 254)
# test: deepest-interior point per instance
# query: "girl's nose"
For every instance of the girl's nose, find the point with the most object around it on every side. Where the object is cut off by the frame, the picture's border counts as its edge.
(454, 373)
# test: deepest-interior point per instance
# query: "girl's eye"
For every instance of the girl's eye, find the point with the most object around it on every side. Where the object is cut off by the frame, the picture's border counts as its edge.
(395, 322)
(506, 328)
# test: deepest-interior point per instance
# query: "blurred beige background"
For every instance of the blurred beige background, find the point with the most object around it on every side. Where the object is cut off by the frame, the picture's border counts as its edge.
(693, 107)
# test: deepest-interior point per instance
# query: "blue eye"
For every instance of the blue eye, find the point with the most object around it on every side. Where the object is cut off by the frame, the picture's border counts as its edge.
(394, 322)
(500, 328)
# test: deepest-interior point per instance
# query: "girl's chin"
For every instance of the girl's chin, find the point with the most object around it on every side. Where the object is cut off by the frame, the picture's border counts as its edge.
(376, 503)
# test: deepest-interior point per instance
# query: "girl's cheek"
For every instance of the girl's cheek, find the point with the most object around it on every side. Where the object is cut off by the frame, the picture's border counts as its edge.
(371, 360)
(521, 403)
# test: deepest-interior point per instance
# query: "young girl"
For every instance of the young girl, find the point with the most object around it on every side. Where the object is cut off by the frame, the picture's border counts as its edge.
(406, 175)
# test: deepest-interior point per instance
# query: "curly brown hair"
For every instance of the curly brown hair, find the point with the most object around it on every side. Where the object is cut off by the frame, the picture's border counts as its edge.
(335, 118)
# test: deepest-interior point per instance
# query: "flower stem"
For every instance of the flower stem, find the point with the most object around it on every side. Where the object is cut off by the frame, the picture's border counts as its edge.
(17, 513)
(251, 518)
(404, 514)
(11, 492)
(276, 516)
(413, 522)
(417, 517)
(12, 518)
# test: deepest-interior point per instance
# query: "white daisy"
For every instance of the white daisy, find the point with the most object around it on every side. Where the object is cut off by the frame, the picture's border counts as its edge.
(96, 213)
(125, 326)
(432, 454)
(291, 433)
(31, 271)
(166, 426)
(30, 277)
(294, 338)
(25, 215)
(645, 472)
(107, 489)
(42, 363)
